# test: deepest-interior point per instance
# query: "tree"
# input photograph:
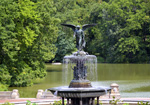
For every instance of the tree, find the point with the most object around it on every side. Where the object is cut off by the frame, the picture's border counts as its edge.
(123, 25)
(9, 44)
(65, 46)
(27, 40)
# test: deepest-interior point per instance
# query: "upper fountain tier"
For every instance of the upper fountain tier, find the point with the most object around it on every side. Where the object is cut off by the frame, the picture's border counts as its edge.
(80, 55)
(82, 65)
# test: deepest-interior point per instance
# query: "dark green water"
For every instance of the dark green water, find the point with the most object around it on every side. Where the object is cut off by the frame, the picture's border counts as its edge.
(133, 79)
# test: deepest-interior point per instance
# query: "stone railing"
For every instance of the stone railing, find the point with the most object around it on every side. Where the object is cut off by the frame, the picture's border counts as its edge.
(46, 95)
(9, 94)
(114, 93)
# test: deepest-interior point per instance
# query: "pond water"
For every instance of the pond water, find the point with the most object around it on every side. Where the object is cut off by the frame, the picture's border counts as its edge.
(133, 79)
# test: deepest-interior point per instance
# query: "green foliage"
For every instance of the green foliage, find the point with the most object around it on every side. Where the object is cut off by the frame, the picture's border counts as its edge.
(100, 59)
(38, 80)
(27, 35)
(26, 23)
(114, 101)
(7, 103)
(9, 43)
(125, 104)
(122, 34)
(3, 87)
(58, 102)
(5, 76)
(123, 26)
(130, 50)
(143, 103)
(65, 46)
(29, 103)
(117, 20)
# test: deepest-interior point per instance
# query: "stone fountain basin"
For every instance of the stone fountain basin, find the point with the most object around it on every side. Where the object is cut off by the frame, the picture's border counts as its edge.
(65, 91)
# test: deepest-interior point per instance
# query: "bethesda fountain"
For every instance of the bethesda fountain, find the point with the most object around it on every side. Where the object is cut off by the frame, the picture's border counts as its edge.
(80, 91)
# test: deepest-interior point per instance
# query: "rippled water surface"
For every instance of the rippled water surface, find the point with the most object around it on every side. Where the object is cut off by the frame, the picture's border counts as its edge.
(133, 79)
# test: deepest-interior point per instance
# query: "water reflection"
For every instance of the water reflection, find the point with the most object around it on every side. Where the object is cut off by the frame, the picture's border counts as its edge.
(133, 79)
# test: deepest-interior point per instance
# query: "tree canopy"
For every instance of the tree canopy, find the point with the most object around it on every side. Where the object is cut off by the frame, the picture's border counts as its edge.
(122, 34)
(28, 32)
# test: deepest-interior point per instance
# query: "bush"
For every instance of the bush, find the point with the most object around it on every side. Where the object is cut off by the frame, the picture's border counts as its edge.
(3, 87)
(57, 103)
(5, 76)
(7, 103)
(100, 59)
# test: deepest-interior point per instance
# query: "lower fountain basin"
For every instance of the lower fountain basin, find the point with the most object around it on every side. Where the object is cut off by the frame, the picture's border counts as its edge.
(65, 91)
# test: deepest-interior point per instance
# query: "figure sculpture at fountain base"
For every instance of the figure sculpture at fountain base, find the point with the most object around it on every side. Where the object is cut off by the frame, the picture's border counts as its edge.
(80, 71)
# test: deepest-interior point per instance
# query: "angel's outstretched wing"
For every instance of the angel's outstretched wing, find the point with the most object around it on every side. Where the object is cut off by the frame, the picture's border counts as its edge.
(85, 26)
(70, 25)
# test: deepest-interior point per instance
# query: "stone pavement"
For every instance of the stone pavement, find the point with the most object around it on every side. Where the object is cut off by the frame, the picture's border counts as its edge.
(23, 101)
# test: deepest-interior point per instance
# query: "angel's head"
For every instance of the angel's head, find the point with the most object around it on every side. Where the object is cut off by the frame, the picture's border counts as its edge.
(78, 27)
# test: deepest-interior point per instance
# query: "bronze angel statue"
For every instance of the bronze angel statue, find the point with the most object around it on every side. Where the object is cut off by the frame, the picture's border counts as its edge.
(79, 34)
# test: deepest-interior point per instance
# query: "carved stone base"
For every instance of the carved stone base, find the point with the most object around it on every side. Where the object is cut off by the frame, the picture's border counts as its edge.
(80, 84)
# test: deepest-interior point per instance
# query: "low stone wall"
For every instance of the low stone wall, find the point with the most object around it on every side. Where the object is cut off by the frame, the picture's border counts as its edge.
(9, 94)
(114, 93)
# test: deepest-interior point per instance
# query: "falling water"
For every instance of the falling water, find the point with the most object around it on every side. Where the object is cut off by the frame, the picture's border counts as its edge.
(44, 94)
(69, 62)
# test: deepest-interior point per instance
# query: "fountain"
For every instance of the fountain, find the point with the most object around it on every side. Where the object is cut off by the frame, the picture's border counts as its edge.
(80, 91)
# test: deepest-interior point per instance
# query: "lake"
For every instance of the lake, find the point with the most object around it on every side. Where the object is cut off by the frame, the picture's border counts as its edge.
(133, 79)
